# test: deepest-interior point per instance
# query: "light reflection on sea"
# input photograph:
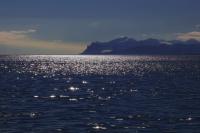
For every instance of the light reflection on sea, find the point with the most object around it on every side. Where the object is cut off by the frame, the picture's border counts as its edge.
(99, 93)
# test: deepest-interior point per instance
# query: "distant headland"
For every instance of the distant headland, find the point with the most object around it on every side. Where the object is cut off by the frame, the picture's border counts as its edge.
(130, 46)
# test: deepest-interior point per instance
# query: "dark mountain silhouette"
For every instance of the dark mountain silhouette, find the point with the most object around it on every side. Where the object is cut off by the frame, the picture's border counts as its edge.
(129, 46)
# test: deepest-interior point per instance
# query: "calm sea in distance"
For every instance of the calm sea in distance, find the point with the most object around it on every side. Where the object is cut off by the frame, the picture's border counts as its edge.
(109, 94)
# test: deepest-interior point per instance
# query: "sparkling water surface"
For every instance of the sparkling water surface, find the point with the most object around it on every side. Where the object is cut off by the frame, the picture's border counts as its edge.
(115, 94)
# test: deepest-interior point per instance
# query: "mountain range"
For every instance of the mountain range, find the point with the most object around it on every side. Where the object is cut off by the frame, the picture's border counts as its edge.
(130, 46)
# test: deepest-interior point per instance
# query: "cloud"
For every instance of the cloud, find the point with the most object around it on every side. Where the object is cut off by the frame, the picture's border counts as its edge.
(187, 36)
(22, 39)
(23, 31)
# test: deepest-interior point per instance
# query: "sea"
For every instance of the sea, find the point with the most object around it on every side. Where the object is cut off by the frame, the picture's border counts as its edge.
(94, 94)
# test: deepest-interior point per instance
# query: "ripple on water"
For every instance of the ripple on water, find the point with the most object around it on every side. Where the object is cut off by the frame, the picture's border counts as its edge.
(73, 99)
(32, 114)
(84, 82)
(36, 96)
(189, 119)
(63, 96)
(97, 126)
(72, 88)
(52, 96)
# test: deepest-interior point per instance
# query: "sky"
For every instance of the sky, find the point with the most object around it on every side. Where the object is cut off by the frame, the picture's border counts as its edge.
(68, 26)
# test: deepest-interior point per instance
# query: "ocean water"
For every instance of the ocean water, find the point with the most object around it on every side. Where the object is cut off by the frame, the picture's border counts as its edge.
(110, 94)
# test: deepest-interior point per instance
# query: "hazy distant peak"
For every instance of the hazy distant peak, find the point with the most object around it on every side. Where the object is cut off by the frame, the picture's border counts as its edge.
(122, 39)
